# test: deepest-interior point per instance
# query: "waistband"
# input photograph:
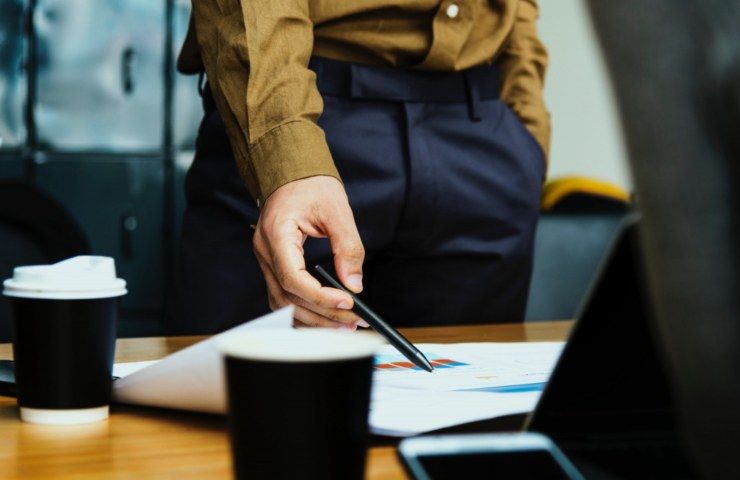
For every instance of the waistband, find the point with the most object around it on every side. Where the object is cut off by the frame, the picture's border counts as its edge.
(352, 80)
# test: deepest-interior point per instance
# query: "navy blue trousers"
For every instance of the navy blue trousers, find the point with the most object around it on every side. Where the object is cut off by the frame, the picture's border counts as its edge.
(444, 182)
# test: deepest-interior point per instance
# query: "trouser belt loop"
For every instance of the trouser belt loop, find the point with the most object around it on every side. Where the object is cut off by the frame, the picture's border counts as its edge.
(471, 97)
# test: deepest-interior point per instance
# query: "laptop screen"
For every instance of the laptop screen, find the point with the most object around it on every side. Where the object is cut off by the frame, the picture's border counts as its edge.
(609, 379)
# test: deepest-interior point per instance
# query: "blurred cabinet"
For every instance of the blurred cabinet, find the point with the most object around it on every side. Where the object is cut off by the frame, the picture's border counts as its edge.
(182, 163)
(11, 166)
(98, 127)
(99, 75)
(12, 73)
(118, 202)
(186, 105)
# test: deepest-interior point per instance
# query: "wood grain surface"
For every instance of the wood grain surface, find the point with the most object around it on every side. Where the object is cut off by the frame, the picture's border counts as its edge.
(149, 443)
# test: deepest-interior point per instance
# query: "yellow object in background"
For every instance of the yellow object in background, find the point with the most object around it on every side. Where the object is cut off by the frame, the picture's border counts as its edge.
(583, 194)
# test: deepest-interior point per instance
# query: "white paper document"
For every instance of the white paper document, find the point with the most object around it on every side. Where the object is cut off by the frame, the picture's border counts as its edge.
(471, 381)
(401, 413)
(191, 379)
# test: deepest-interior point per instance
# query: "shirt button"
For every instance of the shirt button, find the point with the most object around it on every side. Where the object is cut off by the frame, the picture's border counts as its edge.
(452, 10)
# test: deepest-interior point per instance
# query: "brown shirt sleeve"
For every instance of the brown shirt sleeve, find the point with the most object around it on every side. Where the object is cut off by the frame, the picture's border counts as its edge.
(523, 63)
(256, 54)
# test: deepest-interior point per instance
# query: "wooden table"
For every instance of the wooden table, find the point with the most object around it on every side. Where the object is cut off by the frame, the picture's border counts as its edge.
(149, 443)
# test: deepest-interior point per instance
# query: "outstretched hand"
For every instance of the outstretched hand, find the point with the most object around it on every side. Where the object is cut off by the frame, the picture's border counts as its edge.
(310, 207)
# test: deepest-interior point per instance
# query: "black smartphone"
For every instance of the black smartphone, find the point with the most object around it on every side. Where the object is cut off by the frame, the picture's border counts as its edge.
(502, 456)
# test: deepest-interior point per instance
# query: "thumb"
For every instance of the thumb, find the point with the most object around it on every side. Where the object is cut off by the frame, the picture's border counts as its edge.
(347, 249)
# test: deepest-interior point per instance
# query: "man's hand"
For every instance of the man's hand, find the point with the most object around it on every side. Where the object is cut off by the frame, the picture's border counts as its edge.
(316, 207)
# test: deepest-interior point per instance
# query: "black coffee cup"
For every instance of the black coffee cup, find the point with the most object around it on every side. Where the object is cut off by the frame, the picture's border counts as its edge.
(64, 337)
(299, 402)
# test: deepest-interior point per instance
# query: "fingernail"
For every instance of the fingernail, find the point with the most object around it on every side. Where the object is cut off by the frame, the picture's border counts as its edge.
(344, 305)
(355, 281)
(362, 323)
(350, 328)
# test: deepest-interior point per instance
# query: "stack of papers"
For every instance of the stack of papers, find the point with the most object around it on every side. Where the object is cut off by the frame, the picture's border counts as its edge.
(471, 381)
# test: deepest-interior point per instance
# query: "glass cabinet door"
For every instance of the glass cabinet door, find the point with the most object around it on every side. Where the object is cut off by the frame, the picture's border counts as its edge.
(187, 106)
(12, 73)
(118, 202)
(99, 78)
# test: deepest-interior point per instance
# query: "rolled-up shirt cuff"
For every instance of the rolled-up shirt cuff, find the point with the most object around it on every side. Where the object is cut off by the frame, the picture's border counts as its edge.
(289, 152)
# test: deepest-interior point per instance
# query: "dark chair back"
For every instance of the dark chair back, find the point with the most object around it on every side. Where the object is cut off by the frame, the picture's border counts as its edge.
(34, 229)
(568, 250)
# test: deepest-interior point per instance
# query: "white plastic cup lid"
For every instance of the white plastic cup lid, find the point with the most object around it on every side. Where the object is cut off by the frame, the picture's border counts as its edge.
(300, 345)
(83, 277)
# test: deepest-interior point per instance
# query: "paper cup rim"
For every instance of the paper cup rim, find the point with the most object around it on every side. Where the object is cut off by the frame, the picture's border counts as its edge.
(300, 345)
(29, 293)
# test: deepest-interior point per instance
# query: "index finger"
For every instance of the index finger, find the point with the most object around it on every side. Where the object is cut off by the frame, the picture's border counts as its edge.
(290, 269)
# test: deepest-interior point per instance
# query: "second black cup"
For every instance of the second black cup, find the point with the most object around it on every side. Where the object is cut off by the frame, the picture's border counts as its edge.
(299, 402)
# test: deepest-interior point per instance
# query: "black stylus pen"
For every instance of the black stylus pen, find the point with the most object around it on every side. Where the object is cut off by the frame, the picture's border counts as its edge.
(379, 325)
